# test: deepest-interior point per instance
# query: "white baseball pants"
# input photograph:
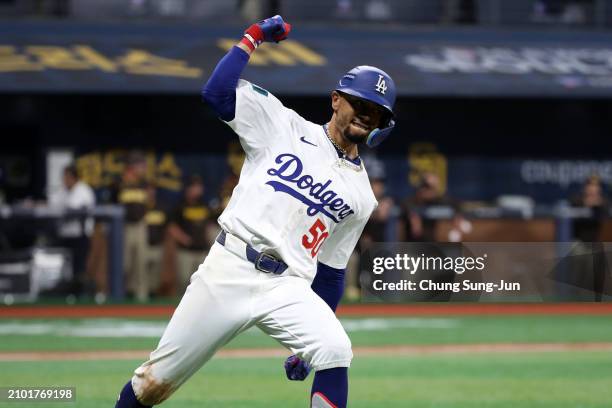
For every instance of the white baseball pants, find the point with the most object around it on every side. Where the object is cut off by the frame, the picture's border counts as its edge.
(226, 296)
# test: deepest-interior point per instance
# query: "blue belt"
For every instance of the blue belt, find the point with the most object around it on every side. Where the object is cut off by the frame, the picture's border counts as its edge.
(262, 261)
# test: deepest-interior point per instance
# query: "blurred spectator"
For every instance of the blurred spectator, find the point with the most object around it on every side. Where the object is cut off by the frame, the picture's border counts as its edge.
(574, 13)
(133, 196)
(171, 8)
(253, 10)
(235, 160)
(588, 255)
(561, 11)
(459, 228)
(344, 9)
(156, 219)
(412, 225)
(75, 230)
(137, 7)
(189, 227)
(459, 11)
(589, 229)
(59, 8)
(374, 231)
(379, 10)
(225, 192)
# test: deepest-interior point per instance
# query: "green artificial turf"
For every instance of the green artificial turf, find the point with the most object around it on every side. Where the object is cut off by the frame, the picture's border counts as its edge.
(572, 379)
(79, 334)
(527, 380)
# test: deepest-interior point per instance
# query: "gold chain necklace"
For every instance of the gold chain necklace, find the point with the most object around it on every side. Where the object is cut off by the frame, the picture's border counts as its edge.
(332, 141)
(344, 161)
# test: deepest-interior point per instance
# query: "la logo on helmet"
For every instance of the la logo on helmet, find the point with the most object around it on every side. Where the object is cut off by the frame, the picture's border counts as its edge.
(381, 86)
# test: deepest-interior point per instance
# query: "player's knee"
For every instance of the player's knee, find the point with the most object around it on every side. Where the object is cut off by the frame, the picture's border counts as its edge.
(333, 353)
(150, 390)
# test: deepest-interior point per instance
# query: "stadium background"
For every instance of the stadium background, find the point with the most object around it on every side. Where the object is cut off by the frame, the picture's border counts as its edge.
(506, 103)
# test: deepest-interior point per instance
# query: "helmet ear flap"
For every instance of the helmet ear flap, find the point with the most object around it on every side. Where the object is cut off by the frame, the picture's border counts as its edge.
(372, 137)
(377, 136)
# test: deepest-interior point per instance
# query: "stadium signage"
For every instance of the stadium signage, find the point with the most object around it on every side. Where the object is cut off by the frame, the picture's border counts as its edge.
(513, 61)
(564, 172)
(32, 58)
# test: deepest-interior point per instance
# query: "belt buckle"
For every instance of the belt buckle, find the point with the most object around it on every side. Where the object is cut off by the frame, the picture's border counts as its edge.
(260, 258)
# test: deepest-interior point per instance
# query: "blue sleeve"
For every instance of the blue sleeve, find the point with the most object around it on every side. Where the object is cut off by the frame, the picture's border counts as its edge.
(220, 90)
(329, 284)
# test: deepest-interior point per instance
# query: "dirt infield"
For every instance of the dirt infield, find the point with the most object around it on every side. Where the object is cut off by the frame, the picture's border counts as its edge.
(42, 311)
(406, 350)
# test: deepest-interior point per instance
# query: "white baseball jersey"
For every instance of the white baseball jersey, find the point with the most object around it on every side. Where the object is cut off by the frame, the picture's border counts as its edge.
(296, 198)
(79, 197)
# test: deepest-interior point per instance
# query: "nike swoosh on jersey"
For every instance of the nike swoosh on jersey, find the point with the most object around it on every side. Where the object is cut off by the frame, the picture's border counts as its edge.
(303, 139)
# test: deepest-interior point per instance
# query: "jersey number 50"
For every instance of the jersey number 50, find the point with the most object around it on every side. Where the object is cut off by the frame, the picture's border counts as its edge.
(316, 238)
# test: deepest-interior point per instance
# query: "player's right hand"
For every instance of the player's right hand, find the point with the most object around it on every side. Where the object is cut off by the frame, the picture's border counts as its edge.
(296, 368)
(272, 29)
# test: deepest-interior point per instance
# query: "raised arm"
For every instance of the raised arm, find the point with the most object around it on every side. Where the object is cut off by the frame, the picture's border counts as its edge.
(220, 89)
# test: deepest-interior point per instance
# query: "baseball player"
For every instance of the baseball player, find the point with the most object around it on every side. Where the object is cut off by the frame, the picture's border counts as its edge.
(287, 233)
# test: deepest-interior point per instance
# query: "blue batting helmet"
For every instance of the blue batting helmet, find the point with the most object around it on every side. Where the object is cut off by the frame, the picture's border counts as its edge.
(374, 85)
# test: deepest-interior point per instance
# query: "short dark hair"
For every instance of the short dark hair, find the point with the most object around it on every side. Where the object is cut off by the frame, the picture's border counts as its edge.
(135, 157)
(72, 170)
(194, 179)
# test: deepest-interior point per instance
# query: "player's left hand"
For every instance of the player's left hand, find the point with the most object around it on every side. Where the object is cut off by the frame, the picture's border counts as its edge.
(296, 368)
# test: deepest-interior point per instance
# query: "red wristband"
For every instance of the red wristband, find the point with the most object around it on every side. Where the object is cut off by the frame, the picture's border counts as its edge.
(246, 41)
(253, 36)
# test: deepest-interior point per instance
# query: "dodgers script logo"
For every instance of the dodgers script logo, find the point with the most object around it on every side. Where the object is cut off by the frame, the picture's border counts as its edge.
(327, 201)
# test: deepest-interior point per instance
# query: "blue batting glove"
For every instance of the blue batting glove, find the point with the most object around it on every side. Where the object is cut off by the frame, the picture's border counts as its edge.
(274, 29)
(296, 368)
